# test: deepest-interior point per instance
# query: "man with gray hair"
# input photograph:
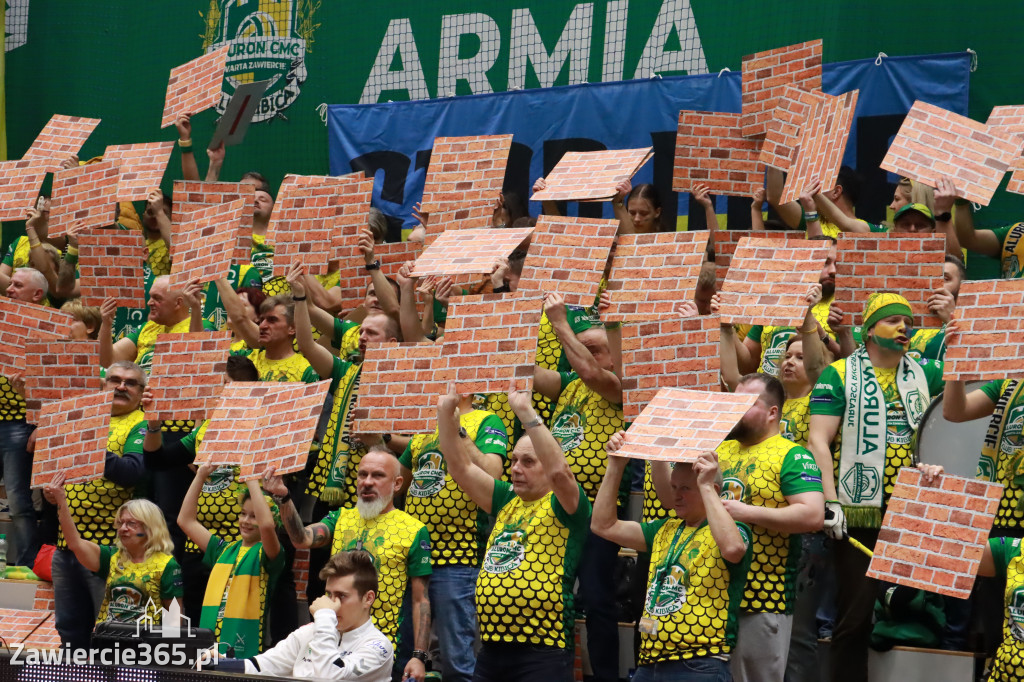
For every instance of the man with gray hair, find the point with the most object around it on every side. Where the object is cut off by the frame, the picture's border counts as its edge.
(93, 506)
(28, 285)
(171, 311)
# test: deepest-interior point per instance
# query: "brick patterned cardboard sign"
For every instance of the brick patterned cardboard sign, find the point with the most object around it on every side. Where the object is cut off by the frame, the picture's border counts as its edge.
(84, 194)
(768, 281)
(61, 138)
(466, 252)
(110, 264)
(783, 130)
(592, 176)
(909, 265)
(668, 353)
(567, 256)
(465, 170)
(467, 217)
(56, 370)
(194, 86)
(989, 318)
(766, 75)
(1011, 120)
(710, 150)
(35, 629)
(203, 234)
(21, 323)
(263, 423)
(679, 424)
(353, 278)
(194, 192)
(20, 182)
(393, 255)
(142, 167)
(726, 242)
(398, 388)
(652, 273)
(72, 437)
(933, 535)
(316, 218)
(490, 340)
(820, 146)
(188, 374)
(933, 142)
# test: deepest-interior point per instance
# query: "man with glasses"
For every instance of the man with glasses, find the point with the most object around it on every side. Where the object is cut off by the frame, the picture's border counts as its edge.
(78, 593)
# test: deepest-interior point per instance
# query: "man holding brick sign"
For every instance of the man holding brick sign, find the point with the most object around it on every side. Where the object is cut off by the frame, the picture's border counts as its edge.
(588, 411)
(773, 485)
(870, 405)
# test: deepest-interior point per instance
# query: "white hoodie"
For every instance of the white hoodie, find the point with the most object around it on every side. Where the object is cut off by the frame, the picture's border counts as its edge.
(314, 651)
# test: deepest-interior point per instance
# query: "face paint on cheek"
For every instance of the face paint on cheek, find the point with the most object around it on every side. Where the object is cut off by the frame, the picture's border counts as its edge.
(886, 336)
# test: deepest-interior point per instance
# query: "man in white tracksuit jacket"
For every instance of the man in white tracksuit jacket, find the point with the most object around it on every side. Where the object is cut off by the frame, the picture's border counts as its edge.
(341, 643)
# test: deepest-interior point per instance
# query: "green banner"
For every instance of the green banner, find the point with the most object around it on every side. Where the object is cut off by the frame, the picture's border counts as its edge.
(111, 60)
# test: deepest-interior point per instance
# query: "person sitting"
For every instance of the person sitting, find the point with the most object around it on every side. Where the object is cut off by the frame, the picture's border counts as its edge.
(138, 568)
(342, 642)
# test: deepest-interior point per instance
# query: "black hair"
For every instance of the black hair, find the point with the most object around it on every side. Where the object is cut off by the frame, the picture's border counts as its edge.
(772, 390)
(852, 182)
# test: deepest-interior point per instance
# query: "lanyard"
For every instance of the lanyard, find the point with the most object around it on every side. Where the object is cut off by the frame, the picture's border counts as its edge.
(672, 556)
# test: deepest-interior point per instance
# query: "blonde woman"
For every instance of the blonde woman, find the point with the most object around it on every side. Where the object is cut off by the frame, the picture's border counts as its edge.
(139, 569)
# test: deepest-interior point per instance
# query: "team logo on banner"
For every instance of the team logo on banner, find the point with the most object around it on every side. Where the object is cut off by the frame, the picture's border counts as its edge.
(268, 41)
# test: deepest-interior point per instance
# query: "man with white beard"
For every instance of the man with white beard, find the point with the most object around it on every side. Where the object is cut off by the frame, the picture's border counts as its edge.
(398, 543)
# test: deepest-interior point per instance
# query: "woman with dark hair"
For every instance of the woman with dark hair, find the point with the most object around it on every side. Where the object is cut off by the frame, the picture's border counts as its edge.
(640, 211)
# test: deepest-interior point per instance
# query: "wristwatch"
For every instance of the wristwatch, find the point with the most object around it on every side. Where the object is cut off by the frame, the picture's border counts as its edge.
(944, 217)
(375, 265)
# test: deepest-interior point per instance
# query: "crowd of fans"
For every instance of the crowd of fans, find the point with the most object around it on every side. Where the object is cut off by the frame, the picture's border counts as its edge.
(471, 550)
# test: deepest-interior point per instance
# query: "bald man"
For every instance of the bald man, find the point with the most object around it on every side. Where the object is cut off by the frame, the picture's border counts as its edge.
(171, 311)
(399, 544)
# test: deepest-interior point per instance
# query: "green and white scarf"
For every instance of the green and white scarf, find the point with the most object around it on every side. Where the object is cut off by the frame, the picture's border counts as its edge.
(862, 456)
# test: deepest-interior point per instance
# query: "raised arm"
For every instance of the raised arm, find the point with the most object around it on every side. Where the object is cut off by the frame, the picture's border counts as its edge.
(945, 197)
(155, 207)
(408, 317)
(960, 406)
(790, 212)
(193, 294)
(548, 449)
(187, 521)
(302, 536)
(728, 345)
(582, 360)
(245, 328)
(604, 520)
(756, 215)
(265, 520)
(551, 207)
(831, 212)
(811, 332)
(216, 156)
(321, 359)
(111, 352)
(703, 196)
(189, 169)
(386, 296)
(85, 551)
(720, 523)
(474, 480)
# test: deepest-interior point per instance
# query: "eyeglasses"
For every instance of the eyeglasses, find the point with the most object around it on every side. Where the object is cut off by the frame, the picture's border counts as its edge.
(128, 383)
(131, 523)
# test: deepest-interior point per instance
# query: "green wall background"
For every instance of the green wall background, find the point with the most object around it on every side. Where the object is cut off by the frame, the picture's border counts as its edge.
(110, 60)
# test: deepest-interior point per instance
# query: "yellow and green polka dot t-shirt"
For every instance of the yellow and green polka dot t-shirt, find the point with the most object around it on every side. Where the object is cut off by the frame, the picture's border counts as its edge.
(1008, 665)
(400, 547)
(158, 257)
(1011, 449)
(346, 337)
(693, 593)
(455, 522)
(217, 508)
(764, 475)
(340, 452)
(583, 421)
(773, 339)
(12, 405)
(829, 398)
(524, 591)
(796, 420)
(295, 367)
(653, 509)
(93, 504)
(145, 340)
(131, 586)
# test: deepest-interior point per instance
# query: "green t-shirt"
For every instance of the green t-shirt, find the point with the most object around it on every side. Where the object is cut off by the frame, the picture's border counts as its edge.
(832, 230)
(829, 398)
(132, 586)
(693, 593)
(1010, 449)
(455, 522)
(524, 591)
(1011, 250)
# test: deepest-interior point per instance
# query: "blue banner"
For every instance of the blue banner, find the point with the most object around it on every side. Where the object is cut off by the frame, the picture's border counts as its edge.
(392, 141)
